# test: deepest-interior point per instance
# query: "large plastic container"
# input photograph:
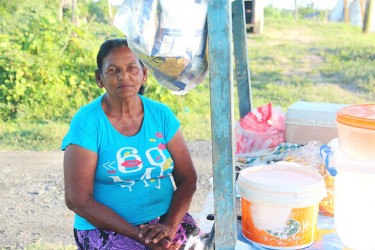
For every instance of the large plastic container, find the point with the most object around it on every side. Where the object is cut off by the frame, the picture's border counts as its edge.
(356, 130)
(280, 205)
(311, 121)
(354, 199)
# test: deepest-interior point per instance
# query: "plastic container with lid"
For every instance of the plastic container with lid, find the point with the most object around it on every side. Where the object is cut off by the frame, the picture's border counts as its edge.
(354, 202)
(356, 130)
(311, 121)
(280, 205)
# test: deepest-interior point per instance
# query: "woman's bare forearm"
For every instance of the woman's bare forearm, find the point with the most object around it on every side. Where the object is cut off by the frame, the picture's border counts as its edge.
(103, 217)
(181, 201)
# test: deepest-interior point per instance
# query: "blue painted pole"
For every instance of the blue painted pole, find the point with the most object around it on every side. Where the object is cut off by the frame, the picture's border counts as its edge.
(221, 86)
(242, 69)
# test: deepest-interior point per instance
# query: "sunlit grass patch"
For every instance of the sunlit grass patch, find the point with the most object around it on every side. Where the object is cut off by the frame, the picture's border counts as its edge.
(43, 136)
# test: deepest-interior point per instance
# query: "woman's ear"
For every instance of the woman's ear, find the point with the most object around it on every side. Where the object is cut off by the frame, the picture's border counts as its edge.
(98, 79)
(145, 75)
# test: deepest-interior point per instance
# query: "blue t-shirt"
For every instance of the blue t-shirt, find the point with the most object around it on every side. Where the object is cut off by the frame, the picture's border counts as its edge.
(133, 173)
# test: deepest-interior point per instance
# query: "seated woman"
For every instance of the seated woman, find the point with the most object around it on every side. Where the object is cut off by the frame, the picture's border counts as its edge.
(129, 177)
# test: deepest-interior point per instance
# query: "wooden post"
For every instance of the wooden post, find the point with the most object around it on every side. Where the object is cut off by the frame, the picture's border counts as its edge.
(367, 22)
(346, 12)
(258, 16)
(221, 87)
(242, 72)
(362, 7)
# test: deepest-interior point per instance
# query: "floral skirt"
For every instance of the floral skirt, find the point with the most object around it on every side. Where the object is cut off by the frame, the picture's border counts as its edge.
(105, 239)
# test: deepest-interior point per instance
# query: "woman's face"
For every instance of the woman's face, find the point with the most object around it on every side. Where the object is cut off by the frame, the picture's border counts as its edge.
(122, 74)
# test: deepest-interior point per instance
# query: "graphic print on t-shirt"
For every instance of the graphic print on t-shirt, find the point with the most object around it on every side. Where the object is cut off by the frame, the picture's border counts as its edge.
(143, 164)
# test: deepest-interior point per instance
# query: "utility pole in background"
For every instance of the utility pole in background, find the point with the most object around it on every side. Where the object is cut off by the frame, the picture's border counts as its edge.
(295, 9)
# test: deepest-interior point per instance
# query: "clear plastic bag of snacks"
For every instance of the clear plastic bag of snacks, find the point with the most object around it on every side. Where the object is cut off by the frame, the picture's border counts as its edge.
(309, 155)
(170, 38)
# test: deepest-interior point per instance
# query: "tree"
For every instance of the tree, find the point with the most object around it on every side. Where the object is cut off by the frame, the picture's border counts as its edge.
(61, 10)
(74, 13)
(368, 16)
(295, 10)
(110, 12)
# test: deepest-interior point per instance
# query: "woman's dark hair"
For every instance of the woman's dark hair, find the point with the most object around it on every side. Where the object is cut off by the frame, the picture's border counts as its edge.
(106, 48)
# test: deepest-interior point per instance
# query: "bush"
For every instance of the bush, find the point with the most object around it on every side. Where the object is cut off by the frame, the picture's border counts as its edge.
(48, 72)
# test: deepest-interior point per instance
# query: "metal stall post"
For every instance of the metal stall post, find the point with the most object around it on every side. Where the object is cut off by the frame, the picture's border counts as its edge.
(224, 23)
(221, 86)
(242, 72)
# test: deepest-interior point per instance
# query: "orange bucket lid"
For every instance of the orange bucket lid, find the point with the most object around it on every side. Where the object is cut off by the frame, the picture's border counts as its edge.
(360, 116)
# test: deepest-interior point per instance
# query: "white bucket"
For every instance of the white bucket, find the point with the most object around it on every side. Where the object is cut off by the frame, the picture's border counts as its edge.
(280, 205)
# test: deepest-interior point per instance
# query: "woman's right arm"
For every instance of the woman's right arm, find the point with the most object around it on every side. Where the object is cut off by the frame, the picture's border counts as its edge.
(79, 174)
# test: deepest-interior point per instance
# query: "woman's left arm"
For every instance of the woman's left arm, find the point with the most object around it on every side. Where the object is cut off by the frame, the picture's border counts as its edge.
(185, 178)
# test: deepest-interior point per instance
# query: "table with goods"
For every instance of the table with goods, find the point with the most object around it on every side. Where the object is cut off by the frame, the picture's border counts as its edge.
(312, 195)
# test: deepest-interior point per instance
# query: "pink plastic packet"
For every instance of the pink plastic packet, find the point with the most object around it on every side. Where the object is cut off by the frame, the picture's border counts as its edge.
(260, 129)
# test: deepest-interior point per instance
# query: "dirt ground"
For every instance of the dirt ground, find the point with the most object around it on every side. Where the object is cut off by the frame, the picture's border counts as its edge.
(32, 196)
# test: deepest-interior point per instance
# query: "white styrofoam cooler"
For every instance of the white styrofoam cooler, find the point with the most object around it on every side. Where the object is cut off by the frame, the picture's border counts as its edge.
(311, 121)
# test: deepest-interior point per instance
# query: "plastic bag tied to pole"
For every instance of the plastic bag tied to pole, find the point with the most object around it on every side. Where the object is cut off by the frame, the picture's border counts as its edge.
(260, 129)
(169, 37)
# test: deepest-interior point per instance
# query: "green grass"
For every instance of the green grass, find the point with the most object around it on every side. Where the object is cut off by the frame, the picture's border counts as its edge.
(310, 61)
(24, 135)
(290, 61)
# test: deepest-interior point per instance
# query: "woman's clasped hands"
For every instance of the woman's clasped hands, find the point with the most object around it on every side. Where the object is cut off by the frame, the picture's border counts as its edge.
(158, 236)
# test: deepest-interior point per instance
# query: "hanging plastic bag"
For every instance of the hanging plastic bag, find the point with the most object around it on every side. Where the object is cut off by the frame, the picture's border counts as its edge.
(260, 129)
(170, 37)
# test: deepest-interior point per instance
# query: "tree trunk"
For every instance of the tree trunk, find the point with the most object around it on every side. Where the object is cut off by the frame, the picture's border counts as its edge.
(362, 7)
(60, 10)
(368, 16)
(74, 12)
(295, 9)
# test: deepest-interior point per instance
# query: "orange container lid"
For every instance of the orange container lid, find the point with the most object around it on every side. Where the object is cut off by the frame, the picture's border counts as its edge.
(360, 116)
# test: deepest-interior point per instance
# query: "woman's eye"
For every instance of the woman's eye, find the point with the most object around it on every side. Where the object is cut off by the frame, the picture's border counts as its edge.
(132, 69)
(111, 70)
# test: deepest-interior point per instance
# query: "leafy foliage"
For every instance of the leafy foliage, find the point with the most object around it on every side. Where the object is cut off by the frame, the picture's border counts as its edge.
(48, 71)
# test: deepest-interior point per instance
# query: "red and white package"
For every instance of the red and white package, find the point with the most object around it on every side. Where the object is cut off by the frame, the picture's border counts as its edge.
(260, 129)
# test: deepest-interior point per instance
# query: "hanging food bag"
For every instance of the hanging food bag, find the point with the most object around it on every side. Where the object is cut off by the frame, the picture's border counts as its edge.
(169, 37)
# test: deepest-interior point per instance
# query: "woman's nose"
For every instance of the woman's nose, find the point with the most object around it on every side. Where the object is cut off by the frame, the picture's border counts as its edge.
(123, 74)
